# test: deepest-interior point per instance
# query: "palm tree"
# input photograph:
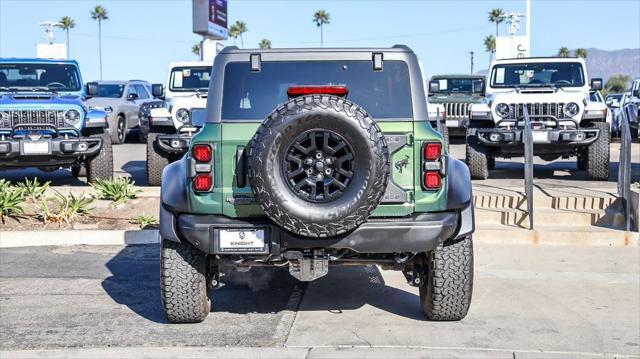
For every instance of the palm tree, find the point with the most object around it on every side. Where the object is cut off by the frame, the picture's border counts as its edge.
(99, 13)
(581, 52)
(563, 52)
(196, 49)
(321, 18)
(234, 33)
(490, 45)
(265, 44)
(241, 28)
(496, 16)
(67, 23)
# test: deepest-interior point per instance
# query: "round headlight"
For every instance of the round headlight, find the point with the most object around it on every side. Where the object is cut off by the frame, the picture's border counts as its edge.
(571, 109)
(182, 115)
(503, 110)
(72, 117)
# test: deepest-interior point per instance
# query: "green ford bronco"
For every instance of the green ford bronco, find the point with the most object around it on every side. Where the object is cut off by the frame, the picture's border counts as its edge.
(310, 158)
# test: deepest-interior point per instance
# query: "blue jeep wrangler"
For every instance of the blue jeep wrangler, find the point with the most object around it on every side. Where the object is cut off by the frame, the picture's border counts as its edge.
(44, 122)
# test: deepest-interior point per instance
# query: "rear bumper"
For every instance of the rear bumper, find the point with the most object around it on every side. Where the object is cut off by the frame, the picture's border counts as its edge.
(416, 233)
(500, 137)
(51, 151)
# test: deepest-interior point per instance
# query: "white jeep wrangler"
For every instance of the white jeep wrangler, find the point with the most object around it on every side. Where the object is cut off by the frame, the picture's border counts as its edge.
(169, 127)
(564, 122)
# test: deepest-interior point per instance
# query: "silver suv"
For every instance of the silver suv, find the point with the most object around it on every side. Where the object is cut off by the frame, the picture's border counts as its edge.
(121, 100)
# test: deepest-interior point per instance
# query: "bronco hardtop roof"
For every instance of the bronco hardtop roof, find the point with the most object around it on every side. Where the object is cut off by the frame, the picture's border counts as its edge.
(36, 60)
(394, 48)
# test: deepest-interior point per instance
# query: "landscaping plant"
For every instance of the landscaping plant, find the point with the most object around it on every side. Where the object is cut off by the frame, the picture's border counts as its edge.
(10, 200)
(120, 190)
(33, 189)
(70, 207)
(145, 221)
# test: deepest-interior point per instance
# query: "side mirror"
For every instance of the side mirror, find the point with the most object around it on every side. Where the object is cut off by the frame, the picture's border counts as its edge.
(636, 93)
(478, 86)
(157, 90)
(132, 96)
(434, 86)
(92, 89)
(198, 117)
(596, 84)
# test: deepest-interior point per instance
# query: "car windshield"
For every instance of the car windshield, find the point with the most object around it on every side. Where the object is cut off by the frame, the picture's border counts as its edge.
(451, 85)
(253, 95)
(111, 90)
(190, 78)
(538, 74)
(40, 76)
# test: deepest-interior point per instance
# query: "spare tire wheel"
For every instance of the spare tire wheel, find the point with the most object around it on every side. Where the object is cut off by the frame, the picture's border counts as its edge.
(318, 166)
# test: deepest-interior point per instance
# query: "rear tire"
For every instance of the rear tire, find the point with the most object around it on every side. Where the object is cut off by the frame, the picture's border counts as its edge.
(155, 161)
(446, 295)
(476, 158)
(597, 164)
(183, 282)
(100, 167)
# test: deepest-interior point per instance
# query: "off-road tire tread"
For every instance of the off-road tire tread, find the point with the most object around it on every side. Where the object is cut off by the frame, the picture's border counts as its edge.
(597, 161)
(341, 224)
(183, 282)
(476, 158)
(155, 161)
(100, 167)
(447, 293)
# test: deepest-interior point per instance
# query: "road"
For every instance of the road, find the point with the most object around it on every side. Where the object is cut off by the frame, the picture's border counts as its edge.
(129, 160)
(529, 301)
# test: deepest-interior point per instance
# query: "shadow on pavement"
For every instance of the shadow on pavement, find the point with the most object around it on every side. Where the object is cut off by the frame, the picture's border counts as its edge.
(58, 177)
(135, 283)
(137, 170)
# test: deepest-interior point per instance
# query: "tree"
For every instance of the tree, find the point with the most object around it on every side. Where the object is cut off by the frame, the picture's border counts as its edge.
(563, 52)
(240, 28)
(321, 18)
(617, 84)
(234, 33)
(496, 16)
(99, 13)
(196, 49)
(67, 23)
(580, 52)
(490, 45)
(265, 44)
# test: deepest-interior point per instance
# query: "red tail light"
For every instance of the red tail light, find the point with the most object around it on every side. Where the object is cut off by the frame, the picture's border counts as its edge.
(202, 153)
(295, 91)
(432, 180)
(432, 151)
(202, 182)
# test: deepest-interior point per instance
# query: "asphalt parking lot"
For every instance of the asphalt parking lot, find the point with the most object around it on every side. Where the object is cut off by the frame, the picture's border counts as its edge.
(129, 160)
(542, 301)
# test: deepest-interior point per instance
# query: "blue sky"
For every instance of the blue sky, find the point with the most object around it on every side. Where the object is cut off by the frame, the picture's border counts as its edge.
(143, 36)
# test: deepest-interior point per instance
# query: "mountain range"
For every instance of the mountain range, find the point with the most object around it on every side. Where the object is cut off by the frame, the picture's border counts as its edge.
(604, 64)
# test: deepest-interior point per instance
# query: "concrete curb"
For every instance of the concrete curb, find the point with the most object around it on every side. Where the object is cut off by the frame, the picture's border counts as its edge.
(10, 239)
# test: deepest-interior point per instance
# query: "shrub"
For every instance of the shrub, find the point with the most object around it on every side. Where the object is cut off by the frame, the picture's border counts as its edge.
(70, 207)
(120, 190)
(145, 221)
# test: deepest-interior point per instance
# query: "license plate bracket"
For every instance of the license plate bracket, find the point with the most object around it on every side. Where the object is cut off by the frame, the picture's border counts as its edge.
(36, 148)
(241, 240)
(540, 136)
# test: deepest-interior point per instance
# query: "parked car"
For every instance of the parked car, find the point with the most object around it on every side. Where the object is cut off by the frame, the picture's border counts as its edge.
(616, 103)
(633, 108)
(168, 127)
(121, 100)
(456, 93)
(311, 158)
(45, 123)
(596, 96)
(565, 122)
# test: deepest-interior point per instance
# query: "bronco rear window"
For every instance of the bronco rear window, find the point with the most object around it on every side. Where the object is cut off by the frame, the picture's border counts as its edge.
(253, 95)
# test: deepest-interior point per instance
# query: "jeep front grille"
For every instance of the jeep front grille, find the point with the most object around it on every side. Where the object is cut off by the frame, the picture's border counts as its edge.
(536, 109)
(32, 119)
(457, 110)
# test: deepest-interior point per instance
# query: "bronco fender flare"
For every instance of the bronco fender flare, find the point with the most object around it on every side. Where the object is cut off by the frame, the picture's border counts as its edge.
(460, 196)
(174, 197)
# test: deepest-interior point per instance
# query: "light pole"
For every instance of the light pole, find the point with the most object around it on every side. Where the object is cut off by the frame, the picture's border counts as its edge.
(471, 53)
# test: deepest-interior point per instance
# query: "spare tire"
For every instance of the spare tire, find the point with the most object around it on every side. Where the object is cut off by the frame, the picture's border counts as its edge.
(318, 166)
